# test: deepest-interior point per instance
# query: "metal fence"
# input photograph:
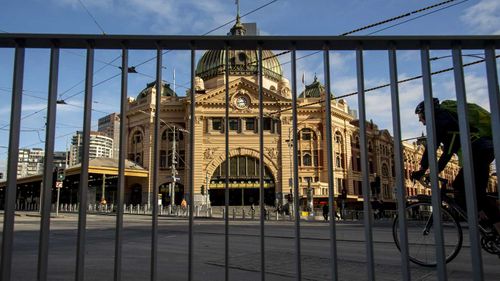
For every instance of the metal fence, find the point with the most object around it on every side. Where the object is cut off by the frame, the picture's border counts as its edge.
(424, 44)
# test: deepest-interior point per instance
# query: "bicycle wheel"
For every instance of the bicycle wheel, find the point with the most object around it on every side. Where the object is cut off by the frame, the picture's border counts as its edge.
(422, 244)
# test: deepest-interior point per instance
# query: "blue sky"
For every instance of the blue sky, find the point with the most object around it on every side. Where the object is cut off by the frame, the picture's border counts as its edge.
(194, 17)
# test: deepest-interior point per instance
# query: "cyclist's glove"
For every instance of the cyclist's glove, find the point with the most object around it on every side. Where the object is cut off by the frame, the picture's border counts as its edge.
(417, 175)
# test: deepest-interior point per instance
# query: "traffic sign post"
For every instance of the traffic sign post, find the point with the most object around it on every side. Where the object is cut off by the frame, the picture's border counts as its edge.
(59, 185)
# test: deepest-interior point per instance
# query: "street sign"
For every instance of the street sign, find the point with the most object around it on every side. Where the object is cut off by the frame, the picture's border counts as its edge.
(175, 179)
(59, 184)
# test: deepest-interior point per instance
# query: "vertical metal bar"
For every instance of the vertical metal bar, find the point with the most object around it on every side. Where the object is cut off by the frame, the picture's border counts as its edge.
(494, 94)
(398, 162)
(431, 150)
(156, 149)
(226, 179)
(295, 168)
(121, 167)
(191, 171)
(329, 160)
(10, 193)
(367, 218)
(261, 168)
(84, 173)
(469, 182)
(48, 166)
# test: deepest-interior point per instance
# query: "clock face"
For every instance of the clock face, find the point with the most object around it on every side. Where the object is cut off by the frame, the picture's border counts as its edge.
(242, 102)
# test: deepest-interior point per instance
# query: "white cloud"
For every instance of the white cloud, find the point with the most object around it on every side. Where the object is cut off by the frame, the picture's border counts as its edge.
(476, 88)
(173, 17)
(102, 4)
(484, 17)
(33, 106)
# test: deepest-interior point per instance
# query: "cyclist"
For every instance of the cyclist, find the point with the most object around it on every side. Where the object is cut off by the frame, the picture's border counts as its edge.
(447, 134)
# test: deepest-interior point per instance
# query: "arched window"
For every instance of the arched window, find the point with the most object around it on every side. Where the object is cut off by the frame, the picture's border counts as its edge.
(338, 138)
(135, 147)
(338, 161)
(137, 138)
(306, 134)
(307, 159)
(385, 170)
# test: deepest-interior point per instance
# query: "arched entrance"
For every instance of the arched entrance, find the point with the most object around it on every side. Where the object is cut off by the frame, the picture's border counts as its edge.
(165, 193)
(243, 183)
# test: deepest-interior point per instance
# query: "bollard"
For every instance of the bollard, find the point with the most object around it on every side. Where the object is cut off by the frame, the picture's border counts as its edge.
(277, 215)
(197, 208)
(243, 213)
(234, 214)
(223, 214)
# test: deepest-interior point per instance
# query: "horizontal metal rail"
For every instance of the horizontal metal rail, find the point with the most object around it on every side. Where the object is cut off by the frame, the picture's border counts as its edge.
(246, 42)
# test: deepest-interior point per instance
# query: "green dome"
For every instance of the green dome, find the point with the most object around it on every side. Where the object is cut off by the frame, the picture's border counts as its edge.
(313, 90)
(166, 91)
(241, 62)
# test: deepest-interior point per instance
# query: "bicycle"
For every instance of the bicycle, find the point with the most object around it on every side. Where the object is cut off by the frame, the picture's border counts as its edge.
(421, 244)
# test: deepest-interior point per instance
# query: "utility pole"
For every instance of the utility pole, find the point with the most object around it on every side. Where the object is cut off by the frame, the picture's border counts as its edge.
(207, 189)
(173, 169)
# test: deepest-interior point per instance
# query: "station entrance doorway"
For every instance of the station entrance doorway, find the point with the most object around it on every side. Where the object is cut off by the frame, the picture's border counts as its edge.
(243, 183)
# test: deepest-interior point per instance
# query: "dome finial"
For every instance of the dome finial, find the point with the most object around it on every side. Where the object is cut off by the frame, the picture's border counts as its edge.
(238, 28)
(237, 11)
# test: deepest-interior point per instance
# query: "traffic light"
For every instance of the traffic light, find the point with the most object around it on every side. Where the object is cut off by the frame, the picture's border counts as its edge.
(60, 174)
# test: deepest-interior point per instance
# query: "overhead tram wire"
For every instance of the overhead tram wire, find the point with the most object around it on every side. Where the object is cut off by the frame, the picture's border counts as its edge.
(153, 58)
(93, 18)
(350, 32)
(404, 15)
(384, 22)
(83, 80)
(381, 86)
(78, 93)
(417, 17)
(57, 137)
(110, 63)
(215, 29)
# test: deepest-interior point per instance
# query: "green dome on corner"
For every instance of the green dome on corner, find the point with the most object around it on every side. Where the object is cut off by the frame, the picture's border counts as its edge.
(241, 62)
(166, 91)
(313, 90)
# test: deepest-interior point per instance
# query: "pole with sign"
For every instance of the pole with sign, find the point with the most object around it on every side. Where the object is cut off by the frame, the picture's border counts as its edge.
(59, 185)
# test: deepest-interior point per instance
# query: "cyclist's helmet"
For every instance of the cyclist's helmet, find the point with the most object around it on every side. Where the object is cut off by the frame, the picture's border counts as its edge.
(420, 109)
